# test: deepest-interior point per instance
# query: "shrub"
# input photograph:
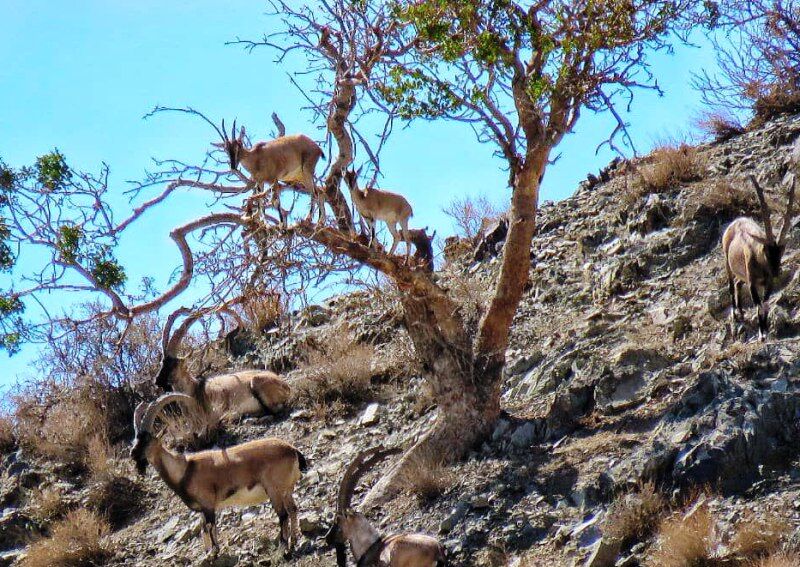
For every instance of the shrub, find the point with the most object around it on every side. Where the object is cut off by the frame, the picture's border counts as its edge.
(778, 100)
(670, 166)
(471, 215)
(75, 541)
(720, 126)
(341, 370)
(46, 504)
(758, 537)
(427, 478)
(8, 440)
(116, 498)
(633, 517)
(684, 540)
(779, 560)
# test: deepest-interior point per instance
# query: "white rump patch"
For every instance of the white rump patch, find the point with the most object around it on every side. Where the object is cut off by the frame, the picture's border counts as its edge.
(245, 497)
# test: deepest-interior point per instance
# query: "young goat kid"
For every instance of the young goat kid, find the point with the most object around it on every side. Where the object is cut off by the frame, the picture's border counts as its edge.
(375, 204)
(206, 481)
(290, 159)
(246, 392)
(753, 257)
(368, 546)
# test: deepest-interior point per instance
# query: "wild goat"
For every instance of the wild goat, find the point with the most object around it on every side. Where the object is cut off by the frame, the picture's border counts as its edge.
(375, 204)
(246, 392)
(366, 543)
(206, 481)
(753, 257)
(291, 159)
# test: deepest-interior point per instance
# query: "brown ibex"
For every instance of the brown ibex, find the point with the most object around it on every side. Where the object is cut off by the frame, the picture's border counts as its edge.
(368, 546)
(206, 481)
(244, 392)
(753, 257)
(290, 159)
(375, 204)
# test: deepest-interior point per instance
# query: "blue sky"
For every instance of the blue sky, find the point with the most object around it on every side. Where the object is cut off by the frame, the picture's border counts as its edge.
(80, 75)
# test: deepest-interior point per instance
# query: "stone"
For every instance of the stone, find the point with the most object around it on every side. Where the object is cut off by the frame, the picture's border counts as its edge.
(604, 553)
(311, 524)
(524, 435)
(370, 415)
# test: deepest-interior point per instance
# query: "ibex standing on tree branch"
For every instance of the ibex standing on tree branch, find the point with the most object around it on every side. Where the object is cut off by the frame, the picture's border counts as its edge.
(368, 546)
(206, 481)
(753, 256)
(290, 159)
(246, 392)
(375, 204)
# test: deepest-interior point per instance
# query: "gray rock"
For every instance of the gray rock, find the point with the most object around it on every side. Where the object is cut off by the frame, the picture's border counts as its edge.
(604, 553)
(370, 415)
(524, 435)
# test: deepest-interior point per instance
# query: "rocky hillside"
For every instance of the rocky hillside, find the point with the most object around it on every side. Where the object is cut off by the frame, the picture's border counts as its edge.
(626, 384)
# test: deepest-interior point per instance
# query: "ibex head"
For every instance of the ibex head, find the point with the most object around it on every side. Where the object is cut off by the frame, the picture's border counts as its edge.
(348, 522)
(774, 249)
(233, 145)
(143, 419)
(174, 369)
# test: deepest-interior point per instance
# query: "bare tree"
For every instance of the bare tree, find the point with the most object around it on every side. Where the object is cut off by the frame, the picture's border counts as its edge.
(757, 46)
(520, 76)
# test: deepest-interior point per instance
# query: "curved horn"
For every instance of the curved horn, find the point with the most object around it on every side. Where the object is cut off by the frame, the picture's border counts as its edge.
(137, 415)
(787, 217)
(223, 133)
(173, 344)
(152, 410)
(360, 465)
(764, 209)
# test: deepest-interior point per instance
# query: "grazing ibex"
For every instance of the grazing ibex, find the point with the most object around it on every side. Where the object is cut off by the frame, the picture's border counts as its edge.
(753, 256)
(206, 481)
(375, 204)
(245, 392)
(291, 159)
(368, 546)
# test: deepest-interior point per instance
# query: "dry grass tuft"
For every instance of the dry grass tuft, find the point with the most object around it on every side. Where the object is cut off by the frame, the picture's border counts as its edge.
(75, 541)
(670, 166)
(263, 311)
(634, 516)
(8, 440)
(778, 100)
(720, 126)
(46, 504)
(341, 370)
(685, 540)
(427, 478)
(758, 537)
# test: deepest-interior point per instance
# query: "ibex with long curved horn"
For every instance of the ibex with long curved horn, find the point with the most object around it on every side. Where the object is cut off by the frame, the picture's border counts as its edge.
(291, 158)
(246, 392)
(369, 548)
(206, 481)
(753, 256)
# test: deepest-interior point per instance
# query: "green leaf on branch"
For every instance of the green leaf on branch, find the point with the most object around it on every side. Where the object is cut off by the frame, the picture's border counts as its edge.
(52, 170)
(108, 273)
(68, 243)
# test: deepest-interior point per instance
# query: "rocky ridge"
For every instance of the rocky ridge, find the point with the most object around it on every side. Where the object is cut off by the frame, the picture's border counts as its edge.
(623, 368)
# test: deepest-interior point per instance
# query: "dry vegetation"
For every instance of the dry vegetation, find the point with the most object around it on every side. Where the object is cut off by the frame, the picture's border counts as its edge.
(340, 370)
(75, 541)
(634, 516)
(757, 537)
(685, 539)
(8, 439)
(46, 504)
(427, 479)
(720, 125)
(471, 215)
(667, 167)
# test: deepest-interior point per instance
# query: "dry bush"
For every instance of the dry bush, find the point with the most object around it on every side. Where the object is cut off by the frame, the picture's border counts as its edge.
(670, 166)
(427, 478)
(340, 370)
(634, 516)
(471, 296)
(775, 101)
(8, 440)
(263, 311)
(757, 537)
(718, 199)
(60, 424)
(721, 126)
(116, 498)
(75, 541)
(471, 215)
(685, 540)
(45, 504)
